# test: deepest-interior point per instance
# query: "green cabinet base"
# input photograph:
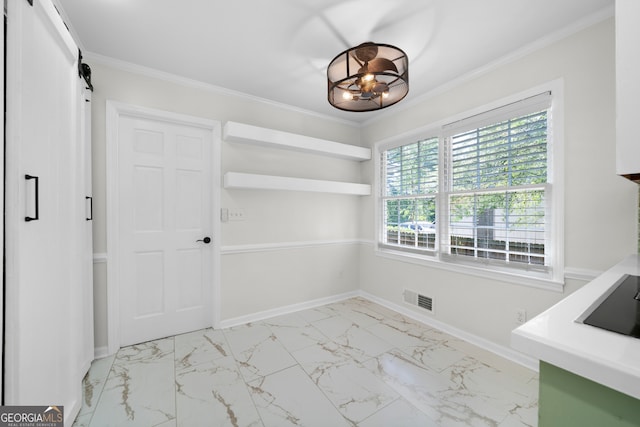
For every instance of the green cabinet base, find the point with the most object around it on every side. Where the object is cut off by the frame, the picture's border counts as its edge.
(569, 400)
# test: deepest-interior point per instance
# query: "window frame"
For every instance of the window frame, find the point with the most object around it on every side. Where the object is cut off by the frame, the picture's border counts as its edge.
(552, 279)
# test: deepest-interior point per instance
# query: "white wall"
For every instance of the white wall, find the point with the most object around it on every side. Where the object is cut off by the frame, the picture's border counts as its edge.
(252, 280)
(600, 208)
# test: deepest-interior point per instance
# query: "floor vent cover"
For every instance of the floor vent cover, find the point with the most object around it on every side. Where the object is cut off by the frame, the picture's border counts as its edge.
(414, 298)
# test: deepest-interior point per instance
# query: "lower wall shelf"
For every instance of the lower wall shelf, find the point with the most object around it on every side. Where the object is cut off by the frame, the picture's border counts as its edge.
(238, 180)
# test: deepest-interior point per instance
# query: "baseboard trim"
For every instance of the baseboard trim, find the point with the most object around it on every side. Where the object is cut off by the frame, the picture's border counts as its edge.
(101, 352)
(287, 309)
(498, 349)
(99, 257)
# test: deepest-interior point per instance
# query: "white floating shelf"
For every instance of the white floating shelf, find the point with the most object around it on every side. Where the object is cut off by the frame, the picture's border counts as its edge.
(270, 182)
(240, 132)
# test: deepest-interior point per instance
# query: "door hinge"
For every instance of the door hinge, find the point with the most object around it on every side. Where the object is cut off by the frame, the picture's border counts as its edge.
(84, 71)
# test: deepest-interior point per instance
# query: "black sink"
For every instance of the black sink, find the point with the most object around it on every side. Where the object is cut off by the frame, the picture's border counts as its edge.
(620, 311)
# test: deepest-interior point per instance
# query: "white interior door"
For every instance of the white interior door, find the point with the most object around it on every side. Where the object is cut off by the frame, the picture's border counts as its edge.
(165, 219)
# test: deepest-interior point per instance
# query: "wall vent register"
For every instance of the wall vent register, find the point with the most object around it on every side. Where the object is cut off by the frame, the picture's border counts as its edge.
(414, 298)
(620, 310)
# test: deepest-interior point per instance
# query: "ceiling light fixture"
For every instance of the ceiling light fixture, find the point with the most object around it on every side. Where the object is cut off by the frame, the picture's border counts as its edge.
(368, 77)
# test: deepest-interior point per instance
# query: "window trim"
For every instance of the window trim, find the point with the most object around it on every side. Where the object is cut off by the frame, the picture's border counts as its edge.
(555, 139)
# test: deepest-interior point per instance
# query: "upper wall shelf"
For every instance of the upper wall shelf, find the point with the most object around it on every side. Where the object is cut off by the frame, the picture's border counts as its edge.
(240, 132)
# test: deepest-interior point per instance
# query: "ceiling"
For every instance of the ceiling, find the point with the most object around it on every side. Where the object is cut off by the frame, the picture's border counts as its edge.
(279, 49)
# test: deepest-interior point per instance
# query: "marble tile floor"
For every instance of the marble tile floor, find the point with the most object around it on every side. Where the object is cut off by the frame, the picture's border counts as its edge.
(351, 363)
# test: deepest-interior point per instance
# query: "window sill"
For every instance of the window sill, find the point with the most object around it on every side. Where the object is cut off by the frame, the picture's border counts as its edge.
(503, 276)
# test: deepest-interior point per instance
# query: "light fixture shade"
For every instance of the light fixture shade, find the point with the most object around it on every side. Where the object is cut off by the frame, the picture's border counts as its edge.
(368, 77)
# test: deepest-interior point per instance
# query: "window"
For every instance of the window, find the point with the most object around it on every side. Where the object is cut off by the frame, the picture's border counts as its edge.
(411, 176)
(476, 191)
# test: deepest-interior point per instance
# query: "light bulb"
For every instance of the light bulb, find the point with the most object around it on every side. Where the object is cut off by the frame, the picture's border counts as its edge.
(385, 94)
(346, 95)
(367, 77)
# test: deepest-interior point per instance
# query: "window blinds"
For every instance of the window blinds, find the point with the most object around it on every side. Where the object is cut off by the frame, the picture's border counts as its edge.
(483, 199)
(496, 185)
(412, 169)
(411, 176)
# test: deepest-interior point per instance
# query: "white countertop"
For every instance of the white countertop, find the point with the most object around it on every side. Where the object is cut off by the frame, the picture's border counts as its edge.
(605, 357)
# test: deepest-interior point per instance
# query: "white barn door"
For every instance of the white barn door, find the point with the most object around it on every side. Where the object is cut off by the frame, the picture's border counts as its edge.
(43, 214)
(165, 257)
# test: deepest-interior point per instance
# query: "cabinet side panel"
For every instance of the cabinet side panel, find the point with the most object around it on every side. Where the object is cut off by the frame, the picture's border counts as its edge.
(570, 400)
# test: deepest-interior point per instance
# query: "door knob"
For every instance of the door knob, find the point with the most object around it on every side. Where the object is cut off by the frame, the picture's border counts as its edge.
(206, 240)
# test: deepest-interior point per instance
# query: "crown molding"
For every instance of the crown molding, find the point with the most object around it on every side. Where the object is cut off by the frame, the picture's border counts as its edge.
(586, 22)
(207, 87)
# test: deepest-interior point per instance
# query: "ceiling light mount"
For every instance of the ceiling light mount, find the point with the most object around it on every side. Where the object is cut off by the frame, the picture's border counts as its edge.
(368, 77)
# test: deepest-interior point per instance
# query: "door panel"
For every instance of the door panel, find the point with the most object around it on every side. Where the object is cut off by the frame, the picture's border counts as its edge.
(150, 284)
(149, 198)
(188, 200)
(190, 268)
(43, 283)
(164, 197)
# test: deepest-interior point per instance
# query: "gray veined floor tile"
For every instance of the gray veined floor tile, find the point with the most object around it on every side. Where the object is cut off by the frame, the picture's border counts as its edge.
(140, 389)
(354, 302)
(318, 313)
(291, 320)
(419, 344)
(469, 393)
(214, 394)
(335, 326)
(290, 398)
(363, 317)
(294, 332)
(199, 347)
(420, 386)
(489, 392)
(400, 413)
(409, 324)
(93, 383)
(348, 334)
(387, 313)
(325, 355)
(354, 390)
(148, 352)
(522, 416)
(418, 330)
(437, 357)
(492, 359)
(441, 337)
(359, 311)
(400, 336)
(245, 337)
(257, 351)
(82, 420)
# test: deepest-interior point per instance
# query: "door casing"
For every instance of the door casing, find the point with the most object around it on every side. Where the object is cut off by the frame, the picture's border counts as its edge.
(114, 110)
